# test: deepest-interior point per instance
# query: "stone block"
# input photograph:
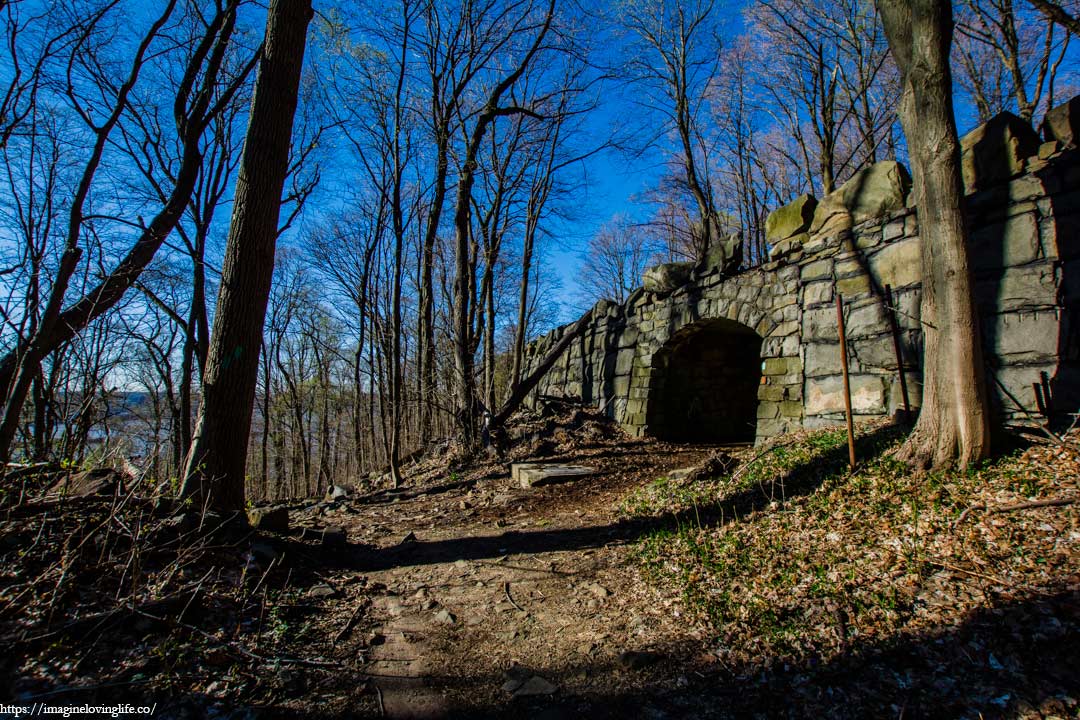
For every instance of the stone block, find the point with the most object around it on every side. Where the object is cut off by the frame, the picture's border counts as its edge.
(822, 359)
(1062, 123)
(1030, 287)
(624, 362)
(529, 475)
(790, 220)
(1023, 337)
(819, 324)
(893, 231)
(666, 277)
(724, 255)
(826, 395)
(1015, 241)
(770, 393)
(787, 247)
(786, 328)
(995, 151)
(831, 216)
(865, 319)
(898, 264)
(879, 352)
(791, 409)
(876, 191)
(780, 366)
(852, 287)
(817, 293)
(817, 270)
(768, 410)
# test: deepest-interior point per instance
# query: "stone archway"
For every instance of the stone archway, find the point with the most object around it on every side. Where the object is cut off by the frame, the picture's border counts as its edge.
(704, 384)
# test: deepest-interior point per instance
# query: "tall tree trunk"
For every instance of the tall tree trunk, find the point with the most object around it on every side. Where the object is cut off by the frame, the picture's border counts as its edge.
(218, 457)
(953, 423)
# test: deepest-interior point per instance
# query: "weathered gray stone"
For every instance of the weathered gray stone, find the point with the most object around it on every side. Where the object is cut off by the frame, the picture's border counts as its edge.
(898, 264)
(529, 475)
(865, 319)
(1062, 123)
(1023, 337)
(724, 255)
(876, 191)
(817, 270)
(1031, 287)
(786, 248)
(822, 359)
(1015, 241)
(817, 293)
(826, 395)
(995, 151)
(665, 278)
(791, 219)
(872, 192)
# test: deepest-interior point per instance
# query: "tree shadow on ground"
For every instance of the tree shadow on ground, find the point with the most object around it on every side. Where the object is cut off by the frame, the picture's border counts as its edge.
(1001, 661)
(800, 481)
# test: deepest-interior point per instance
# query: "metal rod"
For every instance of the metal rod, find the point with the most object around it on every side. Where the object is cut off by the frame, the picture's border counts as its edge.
(847, 382)
(894, 327)
(1040, 402)
(1044, 378)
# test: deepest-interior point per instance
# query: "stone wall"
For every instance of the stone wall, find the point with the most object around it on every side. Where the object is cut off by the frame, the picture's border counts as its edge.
(1025, 241)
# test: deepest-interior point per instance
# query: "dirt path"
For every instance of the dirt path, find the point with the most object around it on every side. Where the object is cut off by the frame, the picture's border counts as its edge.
(492, 599)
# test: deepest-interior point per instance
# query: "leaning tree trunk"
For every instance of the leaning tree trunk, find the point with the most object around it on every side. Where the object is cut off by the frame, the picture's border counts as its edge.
(953, 423)
(217, 461)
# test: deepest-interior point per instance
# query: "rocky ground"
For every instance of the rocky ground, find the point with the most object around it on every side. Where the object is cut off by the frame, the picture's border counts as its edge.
(771, 583)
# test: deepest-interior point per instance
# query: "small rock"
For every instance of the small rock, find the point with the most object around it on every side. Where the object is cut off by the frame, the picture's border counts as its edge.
(333, 535)
(336, 492)
(322, 590)
(634, 660)
(410, 538)
(445, 617)
(271, 519)
(535, 685)
(598, 590)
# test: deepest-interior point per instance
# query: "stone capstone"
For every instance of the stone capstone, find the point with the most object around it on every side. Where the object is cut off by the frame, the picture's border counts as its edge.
(876, 191)
(995, 151)
(871, 193)
(1062, 123)
(724, 255)
(790, 220)
(666, 278)
(787, 246)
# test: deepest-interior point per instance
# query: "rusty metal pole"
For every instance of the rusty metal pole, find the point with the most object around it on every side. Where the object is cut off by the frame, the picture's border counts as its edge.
(847, 381)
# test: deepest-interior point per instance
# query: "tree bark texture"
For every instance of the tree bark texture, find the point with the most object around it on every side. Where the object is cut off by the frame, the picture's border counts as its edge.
(953, 423)
(216, 464)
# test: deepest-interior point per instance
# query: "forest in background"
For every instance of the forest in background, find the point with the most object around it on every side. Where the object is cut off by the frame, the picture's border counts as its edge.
(441, 153)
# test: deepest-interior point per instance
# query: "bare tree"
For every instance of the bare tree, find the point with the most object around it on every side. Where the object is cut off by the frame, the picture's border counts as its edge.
(1022, 46)
(617, 256)
(197, 101)
(215, 466)
(676, 59)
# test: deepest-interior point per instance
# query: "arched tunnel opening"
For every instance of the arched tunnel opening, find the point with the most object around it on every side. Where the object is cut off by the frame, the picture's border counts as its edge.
(704, 384)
